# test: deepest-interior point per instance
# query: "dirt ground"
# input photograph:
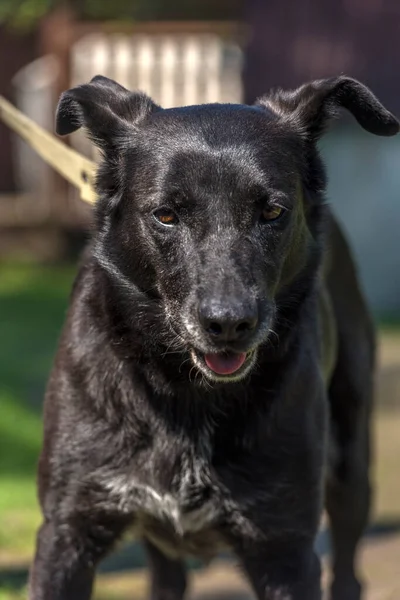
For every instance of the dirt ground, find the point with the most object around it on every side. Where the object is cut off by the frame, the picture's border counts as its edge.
(380, 560)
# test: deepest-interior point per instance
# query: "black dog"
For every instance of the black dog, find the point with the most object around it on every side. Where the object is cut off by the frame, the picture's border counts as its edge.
(216, 336)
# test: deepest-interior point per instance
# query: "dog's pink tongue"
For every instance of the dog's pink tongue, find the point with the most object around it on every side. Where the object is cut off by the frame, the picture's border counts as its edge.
(224, 364)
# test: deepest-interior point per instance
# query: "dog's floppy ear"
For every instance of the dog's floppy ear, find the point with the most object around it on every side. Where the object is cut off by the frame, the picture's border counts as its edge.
(313, 105)
(105, 108)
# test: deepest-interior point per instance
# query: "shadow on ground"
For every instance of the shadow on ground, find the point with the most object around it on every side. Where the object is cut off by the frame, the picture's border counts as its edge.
(131, 556)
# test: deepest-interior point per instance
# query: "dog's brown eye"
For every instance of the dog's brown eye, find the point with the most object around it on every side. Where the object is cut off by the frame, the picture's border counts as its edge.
(165, 216)
(272, 213)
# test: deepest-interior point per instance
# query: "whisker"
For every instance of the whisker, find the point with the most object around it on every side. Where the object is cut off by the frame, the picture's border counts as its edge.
(206, 382)
(274, 333)
(182, 363)
(190, 373)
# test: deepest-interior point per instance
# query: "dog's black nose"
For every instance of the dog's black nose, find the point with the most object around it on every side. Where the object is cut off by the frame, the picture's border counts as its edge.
(228, 324)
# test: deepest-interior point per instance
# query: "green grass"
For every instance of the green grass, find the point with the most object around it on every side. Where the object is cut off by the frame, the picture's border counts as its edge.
(33, 301)
(11, 595)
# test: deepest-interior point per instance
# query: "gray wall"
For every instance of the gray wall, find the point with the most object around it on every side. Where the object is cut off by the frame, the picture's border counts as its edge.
(364, 190)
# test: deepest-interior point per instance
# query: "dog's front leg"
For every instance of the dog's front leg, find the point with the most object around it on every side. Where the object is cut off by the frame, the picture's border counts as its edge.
(67, 554)
(167, 576)
(282, 571)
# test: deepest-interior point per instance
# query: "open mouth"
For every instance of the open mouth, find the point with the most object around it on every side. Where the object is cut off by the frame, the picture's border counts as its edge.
(224, 365)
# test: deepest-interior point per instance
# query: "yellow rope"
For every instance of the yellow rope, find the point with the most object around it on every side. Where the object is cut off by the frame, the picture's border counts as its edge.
(74, 167)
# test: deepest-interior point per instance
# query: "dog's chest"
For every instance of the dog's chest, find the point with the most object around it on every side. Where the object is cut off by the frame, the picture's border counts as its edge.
(189, 505)
(173, 504)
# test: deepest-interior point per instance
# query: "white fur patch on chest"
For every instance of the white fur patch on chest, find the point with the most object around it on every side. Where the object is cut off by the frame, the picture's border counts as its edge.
(134, 497)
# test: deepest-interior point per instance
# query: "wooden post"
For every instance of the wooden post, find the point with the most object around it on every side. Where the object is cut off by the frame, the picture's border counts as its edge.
(56, 38)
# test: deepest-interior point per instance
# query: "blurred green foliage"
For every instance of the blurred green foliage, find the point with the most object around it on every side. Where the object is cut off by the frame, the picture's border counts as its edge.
(26, 13)
(33, 301)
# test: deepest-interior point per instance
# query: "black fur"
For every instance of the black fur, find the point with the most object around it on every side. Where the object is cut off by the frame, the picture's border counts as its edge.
(139, 432)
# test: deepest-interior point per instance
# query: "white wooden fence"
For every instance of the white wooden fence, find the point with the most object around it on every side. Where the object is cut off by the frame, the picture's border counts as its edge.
(175, 70)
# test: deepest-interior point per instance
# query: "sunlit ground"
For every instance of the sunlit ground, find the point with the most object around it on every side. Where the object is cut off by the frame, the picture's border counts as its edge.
(33, 301)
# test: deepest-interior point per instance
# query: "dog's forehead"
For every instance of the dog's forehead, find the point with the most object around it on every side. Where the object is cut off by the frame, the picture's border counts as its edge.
(216, 123)
(209, 140)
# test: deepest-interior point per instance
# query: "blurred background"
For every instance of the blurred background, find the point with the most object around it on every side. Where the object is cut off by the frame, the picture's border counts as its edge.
(184, 52)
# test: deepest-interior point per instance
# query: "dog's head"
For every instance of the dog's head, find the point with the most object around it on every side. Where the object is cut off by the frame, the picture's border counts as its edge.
(213, 211)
